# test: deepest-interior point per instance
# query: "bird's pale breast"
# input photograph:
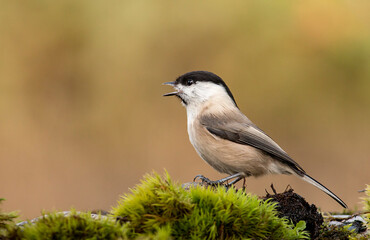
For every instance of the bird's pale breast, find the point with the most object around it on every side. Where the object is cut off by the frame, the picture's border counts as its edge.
(229, 157)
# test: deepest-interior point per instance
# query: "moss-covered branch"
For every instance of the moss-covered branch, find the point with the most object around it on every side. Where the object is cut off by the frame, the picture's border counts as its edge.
(158, 208)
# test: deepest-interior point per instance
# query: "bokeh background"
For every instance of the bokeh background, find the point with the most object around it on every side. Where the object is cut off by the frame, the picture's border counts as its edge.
(82, 117)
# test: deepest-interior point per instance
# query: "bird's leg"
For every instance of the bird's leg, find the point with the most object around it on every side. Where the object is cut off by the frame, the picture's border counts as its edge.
(238, 177)
(244, 186)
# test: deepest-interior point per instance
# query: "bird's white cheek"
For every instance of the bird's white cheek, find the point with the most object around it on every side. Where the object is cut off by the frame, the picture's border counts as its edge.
(186, 92)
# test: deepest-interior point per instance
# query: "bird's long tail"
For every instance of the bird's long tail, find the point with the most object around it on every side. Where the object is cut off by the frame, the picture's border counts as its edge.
(309, 179)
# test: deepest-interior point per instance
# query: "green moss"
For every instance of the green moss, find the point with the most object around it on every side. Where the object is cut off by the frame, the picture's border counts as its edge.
(73, 226)
(329, 233)
(8, 228)
(159, 205)
(57, 226)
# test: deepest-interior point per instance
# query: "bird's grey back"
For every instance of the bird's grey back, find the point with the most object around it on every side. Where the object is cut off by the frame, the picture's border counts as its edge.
(236, 127)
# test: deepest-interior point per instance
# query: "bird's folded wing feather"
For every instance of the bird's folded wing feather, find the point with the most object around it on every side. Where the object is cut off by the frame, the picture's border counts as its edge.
(241, 130)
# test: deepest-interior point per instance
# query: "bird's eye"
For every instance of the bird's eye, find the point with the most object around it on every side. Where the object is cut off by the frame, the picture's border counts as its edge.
(189, 81)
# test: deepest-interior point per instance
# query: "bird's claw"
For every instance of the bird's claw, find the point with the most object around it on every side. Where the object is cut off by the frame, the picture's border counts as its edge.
(202, 178)
(207, 181)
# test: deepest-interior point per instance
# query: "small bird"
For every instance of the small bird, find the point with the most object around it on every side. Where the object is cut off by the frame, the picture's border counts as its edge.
(225, 138)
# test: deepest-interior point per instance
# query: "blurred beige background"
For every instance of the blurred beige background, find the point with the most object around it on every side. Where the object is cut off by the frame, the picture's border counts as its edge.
(82, 117)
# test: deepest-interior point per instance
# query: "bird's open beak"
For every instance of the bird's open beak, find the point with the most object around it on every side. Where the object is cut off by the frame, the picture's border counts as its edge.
(171, 93)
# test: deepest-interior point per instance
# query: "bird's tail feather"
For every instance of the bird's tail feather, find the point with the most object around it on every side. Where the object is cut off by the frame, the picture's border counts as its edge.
(309, 179)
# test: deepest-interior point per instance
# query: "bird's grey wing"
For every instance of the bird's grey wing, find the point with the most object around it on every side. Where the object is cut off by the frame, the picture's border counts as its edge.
(241, 130)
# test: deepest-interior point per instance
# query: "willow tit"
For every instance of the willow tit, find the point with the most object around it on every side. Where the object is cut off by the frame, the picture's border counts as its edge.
(225, 138)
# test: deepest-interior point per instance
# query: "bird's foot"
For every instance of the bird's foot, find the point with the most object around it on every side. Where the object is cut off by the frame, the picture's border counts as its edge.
(207, 181)
(237, 177)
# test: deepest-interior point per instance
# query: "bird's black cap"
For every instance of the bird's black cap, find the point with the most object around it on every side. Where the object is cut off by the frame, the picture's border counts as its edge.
(203, 76)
